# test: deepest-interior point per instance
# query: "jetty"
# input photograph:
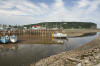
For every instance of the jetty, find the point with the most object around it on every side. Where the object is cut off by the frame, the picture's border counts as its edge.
(45, 36)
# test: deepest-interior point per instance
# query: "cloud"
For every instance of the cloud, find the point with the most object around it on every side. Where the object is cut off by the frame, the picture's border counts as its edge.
(27, 12)
(83, 3)
(94, 6)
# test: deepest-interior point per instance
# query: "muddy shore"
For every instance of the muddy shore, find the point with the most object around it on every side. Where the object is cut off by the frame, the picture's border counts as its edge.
(78, 32)
(86, 55)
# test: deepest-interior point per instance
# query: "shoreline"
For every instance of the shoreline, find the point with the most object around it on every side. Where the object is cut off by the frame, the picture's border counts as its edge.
(79, 32)
(79, 56)
(42, 35)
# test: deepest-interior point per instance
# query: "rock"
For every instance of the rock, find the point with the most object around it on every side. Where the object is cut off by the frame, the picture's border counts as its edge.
(74, 60)
(86, 62)
(97, 57)
(79, 64)
(98, 64)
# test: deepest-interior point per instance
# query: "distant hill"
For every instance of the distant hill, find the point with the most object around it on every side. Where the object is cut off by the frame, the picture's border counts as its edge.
(66, 25)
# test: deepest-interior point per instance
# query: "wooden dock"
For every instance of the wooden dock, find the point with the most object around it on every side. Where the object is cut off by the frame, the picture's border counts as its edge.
(33, 36)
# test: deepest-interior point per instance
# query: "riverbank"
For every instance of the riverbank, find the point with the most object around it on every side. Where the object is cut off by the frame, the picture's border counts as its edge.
(79, 32)
(45, 36)
(86, 55)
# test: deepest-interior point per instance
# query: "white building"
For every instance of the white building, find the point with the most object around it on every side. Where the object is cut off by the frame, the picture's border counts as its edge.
(1, 27)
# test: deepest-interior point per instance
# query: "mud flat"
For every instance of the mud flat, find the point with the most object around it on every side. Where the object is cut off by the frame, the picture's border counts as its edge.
(79, 32)
(86, 55)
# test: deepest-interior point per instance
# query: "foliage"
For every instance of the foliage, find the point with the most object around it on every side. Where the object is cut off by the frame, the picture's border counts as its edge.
(65, 25)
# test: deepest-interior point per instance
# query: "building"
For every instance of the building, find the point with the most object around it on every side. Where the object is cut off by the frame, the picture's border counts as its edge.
(2, 26)
(35, 27)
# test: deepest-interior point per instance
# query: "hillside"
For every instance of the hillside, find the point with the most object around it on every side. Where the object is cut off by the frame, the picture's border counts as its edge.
(66, 25)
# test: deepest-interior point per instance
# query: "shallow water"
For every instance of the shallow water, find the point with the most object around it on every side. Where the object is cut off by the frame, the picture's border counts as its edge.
(24, 54)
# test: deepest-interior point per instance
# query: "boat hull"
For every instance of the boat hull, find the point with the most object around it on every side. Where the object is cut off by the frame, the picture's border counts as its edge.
(13, 39)
(4, 40)
(60, 36)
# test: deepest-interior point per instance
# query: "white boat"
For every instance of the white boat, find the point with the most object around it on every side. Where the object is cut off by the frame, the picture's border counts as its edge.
(13, 39)
(59, 35)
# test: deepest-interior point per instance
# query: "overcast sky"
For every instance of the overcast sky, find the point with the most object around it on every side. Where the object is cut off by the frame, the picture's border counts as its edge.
(34, 11)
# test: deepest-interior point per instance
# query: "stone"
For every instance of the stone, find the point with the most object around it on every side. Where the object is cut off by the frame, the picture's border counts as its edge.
(79, 64)
(86, 62)
(98, 64)
(74, 60)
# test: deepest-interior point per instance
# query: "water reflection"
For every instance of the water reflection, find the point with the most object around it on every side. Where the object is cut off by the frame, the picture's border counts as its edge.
(60, 41)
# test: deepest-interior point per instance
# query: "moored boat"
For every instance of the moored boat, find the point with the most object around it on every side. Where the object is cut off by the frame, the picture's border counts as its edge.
(13, 39)
(4, 39)
(59, 35)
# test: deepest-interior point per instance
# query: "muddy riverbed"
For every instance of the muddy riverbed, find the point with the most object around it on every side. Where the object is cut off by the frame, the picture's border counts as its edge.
(86, 55)
(25, 54)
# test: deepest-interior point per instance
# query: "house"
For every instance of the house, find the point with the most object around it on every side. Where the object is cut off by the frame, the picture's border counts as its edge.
(36, 27)
(2, 27)
(25, 27)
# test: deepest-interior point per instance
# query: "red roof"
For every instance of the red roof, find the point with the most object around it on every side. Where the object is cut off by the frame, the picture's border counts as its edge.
(36, 26)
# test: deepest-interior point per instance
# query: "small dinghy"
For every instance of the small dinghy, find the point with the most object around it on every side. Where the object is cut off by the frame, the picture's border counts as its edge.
(4, 39)
(13, 39)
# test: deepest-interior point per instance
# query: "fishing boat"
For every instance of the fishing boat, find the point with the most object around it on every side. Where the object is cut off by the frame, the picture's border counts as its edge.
(13, 39)
(4, 39)
(59, 35)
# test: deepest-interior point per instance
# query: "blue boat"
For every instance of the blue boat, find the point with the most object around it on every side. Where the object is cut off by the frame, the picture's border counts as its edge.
(4, 39)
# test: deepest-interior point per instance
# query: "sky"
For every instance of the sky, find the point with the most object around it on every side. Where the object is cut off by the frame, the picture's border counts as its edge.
(34, 11)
